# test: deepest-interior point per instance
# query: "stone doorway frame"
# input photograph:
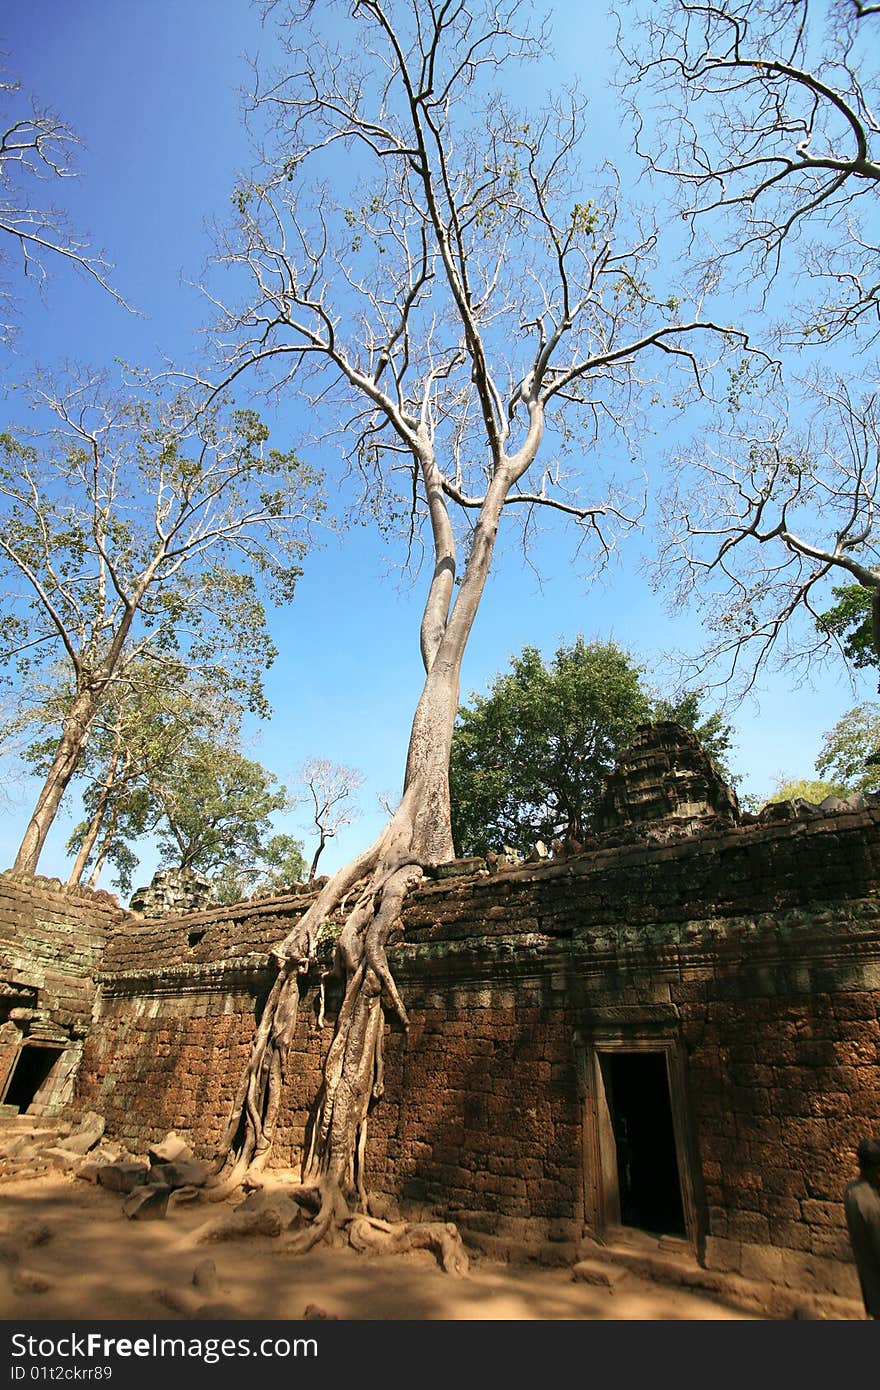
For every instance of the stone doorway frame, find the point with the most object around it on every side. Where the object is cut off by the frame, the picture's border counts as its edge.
(54, 1089)
(601, 1189)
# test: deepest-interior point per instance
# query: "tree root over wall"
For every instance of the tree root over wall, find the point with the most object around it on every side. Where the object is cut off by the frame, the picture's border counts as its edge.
(332, 1188)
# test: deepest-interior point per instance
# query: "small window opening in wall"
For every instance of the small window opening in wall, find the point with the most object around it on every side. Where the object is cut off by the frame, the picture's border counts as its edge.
(33, 1067)
(195, 937)
(640, 1111)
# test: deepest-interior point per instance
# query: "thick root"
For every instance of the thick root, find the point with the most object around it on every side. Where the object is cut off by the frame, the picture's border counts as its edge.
(367, 1233)
(333, 1164)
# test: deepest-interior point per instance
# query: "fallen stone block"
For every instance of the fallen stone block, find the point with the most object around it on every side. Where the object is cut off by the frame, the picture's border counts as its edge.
(182, 1172)
(62, 1158)
(86, 1135)
(169, 1149)
(606, 1276)
(25, 1152)
(146, 1203)
(259, 1215)
(109, 1153)
(123, 1177)
(288, 1212)
(9, 1148)
(205, 1277)
(183, 1197)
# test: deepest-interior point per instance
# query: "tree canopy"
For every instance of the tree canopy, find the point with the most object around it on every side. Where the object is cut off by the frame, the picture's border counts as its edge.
(141, 526)
(529, 759)
(811, 789)
(212, 809)
(850, 752)
(851, 621)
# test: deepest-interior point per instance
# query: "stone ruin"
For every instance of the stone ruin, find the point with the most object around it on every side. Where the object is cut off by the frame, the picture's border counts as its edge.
(710, 978)
(665, 780)
(173, 891)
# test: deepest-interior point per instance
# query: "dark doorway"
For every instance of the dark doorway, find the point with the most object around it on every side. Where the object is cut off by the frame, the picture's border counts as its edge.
(637, 1090)
(32, 1067)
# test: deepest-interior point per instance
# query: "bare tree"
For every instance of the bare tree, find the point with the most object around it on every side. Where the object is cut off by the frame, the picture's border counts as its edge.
(759, 526)
(330, 789)
(136, 528)
(763, 116)
(445, 286)
(37, 148)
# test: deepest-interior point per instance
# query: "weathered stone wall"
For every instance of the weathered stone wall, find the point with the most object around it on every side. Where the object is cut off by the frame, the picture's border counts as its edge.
(51, 942)
(752, 953)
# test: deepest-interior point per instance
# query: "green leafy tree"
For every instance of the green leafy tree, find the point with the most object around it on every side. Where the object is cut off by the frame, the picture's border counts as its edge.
(803, 789)
(851, 621)
(850, 752)
(213, 808)
(280, 864)
(142, 732)
(530, 759)
(140, 526)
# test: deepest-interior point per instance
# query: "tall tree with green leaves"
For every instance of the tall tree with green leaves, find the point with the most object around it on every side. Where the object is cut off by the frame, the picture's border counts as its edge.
(851, 621)
(529, 760)
(212, 809)
(144, 729)
(139, 526)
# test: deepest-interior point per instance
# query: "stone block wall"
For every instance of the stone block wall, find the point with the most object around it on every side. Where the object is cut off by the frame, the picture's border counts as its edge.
(51, 942)
(748, 956)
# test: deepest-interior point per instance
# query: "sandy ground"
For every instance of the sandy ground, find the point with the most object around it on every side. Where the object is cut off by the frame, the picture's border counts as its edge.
(67, 1252)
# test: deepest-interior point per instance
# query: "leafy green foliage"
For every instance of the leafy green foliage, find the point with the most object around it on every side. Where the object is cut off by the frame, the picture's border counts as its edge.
(142, 731)
(803, 789)
(280, 864)
(850, 620)
(146, 503)
(142, 527)
(850, 751)
(529, 760)
(213, 808)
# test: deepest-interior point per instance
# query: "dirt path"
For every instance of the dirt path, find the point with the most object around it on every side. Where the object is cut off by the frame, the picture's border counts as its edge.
(67, 1252)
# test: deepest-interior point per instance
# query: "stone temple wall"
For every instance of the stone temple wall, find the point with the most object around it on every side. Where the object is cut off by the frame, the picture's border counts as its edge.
(731, 965)
(744, 959)
(51, 942)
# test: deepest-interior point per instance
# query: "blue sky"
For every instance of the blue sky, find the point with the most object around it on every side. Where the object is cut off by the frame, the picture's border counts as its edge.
(153, 91)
